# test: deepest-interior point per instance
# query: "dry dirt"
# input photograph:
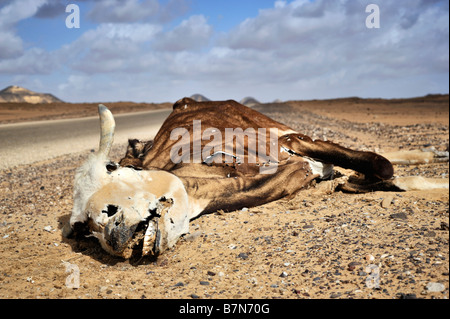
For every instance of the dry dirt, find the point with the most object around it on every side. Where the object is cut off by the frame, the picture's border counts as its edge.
(315, 245)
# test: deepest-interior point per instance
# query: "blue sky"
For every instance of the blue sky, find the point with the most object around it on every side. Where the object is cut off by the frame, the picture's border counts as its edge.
(156, 51)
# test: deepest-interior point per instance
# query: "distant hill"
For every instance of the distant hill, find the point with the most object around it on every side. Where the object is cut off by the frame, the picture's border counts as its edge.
(249, 101)
(19, 94)
(199, 98)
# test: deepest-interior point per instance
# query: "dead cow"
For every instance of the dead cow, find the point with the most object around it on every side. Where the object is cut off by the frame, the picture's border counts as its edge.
(146, 201)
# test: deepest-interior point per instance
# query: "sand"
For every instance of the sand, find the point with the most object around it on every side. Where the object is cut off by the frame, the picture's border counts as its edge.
(313, 246)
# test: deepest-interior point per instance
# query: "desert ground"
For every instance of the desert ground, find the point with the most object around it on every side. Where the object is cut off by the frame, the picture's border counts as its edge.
(317, 245)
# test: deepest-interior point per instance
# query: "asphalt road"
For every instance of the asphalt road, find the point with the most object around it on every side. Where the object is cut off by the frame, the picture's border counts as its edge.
(26, 143)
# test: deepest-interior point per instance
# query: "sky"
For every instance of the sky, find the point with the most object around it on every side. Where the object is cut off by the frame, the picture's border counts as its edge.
(163, 50)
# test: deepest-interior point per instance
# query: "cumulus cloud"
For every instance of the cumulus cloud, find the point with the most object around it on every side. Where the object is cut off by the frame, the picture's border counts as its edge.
(129, 11)
(11, 45)
(32, 61)
(191, 34)
(51, 9)
(109, 48)
(303, 44)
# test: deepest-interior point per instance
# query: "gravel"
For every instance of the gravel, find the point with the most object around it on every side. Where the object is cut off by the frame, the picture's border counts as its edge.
(407, 236)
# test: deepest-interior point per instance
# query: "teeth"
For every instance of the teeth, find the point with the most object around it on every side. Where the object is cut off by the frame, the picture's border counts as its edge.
(149, 238)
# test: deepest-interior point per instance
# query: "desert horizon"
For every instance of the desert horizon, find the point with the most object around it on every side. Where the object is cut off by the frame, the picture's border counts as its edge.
(14, 112)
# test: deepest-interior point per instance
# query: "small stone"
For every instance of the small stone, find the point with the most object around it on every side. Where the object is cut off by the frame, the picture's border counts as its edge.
(194, 296)
(406, 296)
(335, 295)
(387, 201)
(193, 236)
(179, 284)
(308, 226)
(353, 265)
(204, 283)
(370, 257)
(401, 216)
(284, 274)
(243, 256)
(435, 287)
(48, 228)
(444, 226)
(210, 273)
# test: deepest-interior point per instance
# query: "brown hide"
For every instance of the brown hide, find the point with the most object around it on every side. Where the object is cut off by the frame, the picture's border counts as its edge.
(233, 184)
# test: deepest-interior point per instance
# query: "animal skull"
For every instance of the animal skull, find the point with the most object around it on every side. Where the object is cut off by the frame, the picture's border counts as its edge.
(127, 209)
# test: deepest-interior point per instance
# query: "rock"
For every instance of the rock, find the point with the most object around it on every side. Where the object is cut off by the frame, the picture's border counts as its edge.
(48, 228)
(211, 273)
(444, 226)
(370, 257)
(193, 236)
(284, 274)
(352, 266)
(335, 295)
(435, 287)
(243, 256)
(406, 296)
(401, 216)
(204, 283)
(387, 201)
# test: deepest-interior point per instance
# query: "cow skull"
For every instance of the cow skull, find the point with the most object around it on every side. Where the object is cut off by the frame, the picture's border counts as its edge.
(127, 209)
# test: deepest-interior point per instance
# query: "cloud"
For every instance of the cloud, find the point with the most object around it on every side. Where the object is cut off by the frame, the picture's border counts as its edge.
(296, 49)
(192, 34)
(109, 48)
(123, 11)
(130, 11)
(11, 45)
(302, 44)
(51, 9)
(32, 61)
(16, 11)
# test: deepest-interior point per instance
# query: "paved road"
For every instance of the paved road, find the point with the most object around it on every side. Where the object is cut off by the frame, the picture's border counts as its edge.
(25, 143)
